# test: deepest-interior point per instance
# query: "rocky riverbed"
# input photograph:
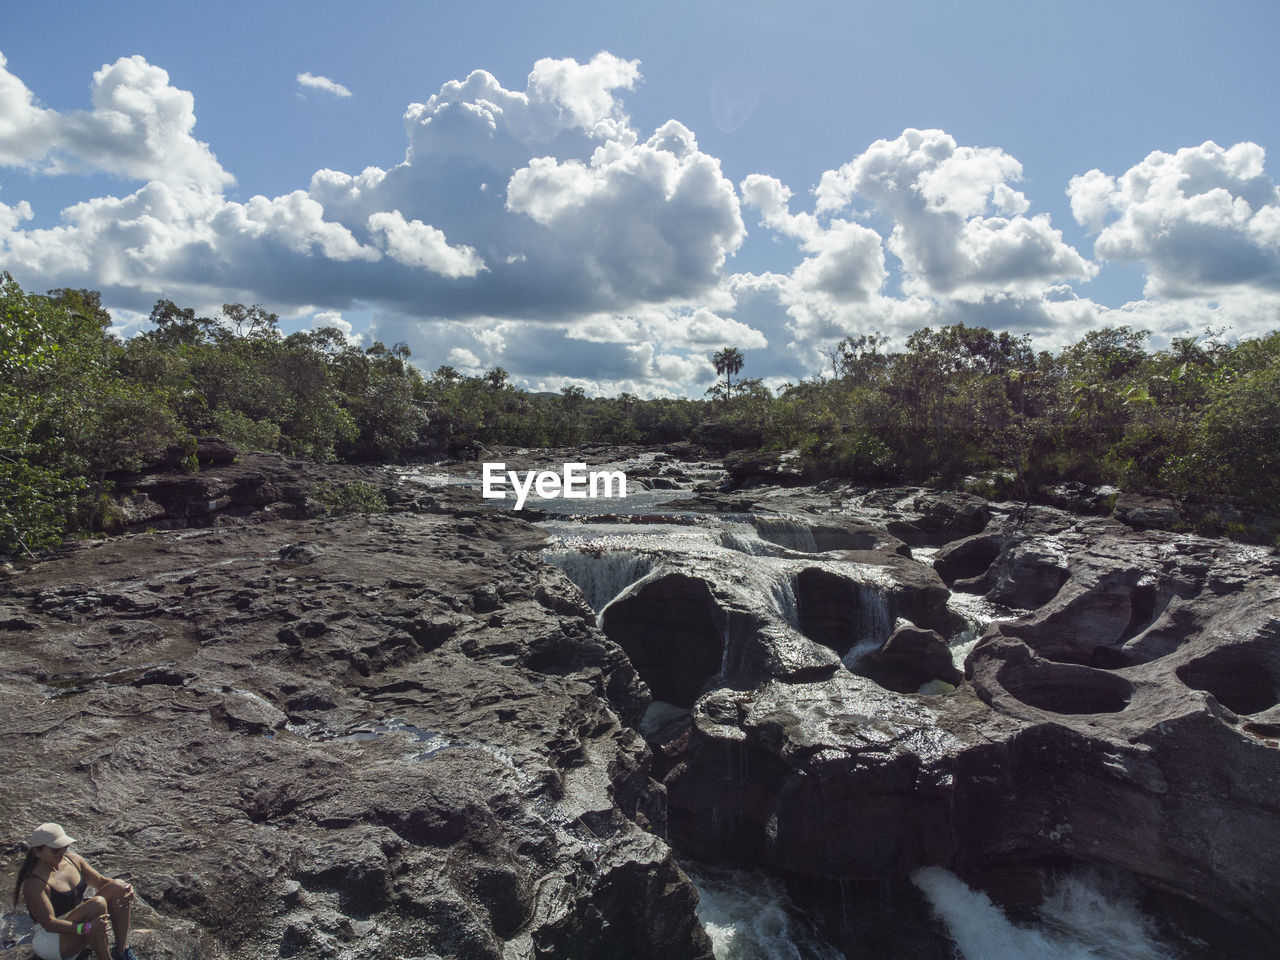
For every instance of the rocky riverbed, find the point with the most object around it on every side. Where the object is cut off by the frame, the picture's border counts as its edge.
(410, 735)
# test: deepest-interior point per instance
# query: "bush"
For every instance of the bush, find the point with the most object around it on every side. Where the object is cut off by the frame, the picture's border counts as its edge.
(246, 433)
(355, 497)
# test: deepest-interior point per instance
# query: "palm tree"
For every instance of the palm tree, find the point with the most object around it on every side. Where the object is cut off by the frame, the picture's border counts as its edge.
(729, 362)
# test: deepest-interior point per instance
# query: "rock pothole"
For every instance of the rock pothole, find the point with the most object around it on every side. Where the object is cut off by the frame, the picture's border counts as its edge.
(1239, 676)
(1064, 688)
(671, 629)
(840, 613)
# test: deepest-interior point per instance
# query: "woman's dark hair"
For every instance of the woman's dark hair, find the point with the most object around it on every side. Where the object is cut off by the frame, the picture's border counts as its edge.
(27, 864)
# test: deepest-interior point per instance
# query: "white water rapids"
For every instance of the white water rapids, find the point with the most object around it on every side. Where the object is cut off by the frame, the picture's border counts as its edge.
(1086, 916)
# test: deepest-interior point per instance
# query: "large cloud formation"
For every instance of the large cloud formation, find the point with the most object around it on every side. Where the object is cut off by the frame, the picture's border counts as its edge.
(965, 250)
(1203, 220)
(539, 230)
(139, 127)
(959, 225)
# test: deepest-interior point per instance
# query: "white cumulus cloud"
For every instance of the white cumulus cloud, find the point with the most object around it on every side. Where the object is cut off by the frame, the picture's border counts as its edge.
(311, 81)
(334, 320)
(539, 228)
(416, 244)
(956, 223)
(1202, 221)
(639, 221)
(140, 127)
(959, 225)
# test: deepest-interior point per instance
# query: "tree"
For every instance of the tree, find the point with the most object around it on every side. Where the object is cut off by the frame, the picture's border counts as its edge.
(857, 358)
(729, 363)
(252, 322)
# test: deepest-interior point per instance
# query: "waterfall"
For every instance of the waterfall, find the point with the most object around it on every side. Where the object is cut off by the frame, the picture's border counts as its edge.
(601, 575)
(784, 599)
(872, 624)
(749, 916)
(786, 532)
(1085, 917)
(744, 542)
(874, 620)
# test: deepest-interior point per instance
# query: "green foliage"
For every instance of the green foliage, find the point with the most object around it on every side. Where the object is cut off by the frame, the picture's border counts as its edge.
(245, 432)
(355, 497)
(36, 503)
(1200, 420)
(728, 363)
(67, 415)
(1238, 447)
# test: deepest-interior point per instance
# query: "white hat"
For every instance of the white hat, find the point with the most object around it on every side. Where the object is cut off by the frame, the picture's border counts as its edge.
(49, 835)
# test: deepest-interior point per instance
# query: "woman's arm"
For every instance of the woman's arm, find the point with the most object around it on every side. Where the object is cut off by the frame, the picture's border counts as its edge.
(91, 876)
(107, 887)
(41, 907)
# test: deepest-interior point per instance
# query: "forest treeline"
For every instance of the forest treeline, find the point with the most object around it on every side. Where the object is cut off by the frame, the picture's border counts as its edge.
(1199, 420)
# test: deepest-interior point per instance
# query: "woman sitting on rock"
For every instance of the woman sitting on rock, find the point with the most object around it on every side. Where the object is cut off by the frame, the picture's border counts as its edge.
(53, 881)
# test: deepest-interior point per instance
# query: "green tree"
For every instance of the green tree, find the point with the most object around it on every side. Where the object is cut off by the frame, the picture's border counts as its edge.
(728, 363)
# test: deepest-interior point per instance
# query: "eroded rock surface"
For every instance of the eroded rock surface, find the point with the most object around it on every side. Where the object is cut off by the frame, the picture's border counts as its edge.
(395, 736)
(407, 736)
(1121, 714)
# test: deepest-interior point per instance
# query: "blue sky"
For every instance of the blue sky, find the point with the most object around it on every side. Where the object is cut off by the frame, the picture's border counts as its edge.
(833, 168)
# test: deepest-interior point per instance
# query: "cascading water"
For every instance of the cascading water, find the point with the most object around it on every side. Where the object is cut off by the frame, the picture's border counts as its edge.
(872, 625)
(979, 613)
(1084, 917)
(601, 575)
(784, 598)
(754, 562)
(786, 532)
(749, 917)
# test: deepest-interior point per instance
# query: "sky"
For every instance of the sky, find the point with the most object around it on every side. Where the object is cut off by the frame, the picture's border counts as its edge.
(604, 195)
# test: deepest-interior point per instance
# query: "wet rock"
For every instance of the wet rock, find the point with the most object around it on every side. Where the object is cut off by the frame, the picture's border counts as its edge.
(687, 452)
(764, 468)
(299, 553)
(139, 510)
(933, 519)
(963, 564)
(1124, 709)
(230, 488)
(215, 451)
(910, 658)
(672, 630)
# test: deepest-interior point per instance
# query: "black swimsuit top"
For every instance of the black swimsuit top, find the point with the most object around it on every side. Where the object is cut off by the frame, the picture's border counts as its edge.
(67, 900)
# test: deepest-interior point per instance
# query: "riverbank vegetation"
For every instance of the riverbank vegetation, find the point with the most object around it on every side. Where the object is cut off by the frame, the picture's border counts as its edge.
(957, 405)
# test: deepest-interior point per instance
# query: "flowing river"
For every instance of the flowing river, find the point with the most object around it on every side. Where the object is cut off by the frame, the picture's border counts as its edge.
(607, 548)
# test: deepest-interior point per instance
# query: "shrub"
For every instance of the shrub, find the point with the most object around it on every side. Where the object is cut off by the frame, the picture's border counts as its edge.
(355, 497)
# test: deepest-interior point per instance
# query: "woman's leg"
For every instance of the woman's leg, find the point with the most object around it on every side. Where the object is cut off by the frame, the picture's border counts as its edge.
(94, 912)
(119, 897)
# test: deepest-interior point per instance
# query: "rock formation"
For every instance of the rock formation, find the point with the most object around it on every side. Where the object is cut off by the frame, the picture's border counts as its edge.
(397, 735)
(406, 736)
(1123, 715)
